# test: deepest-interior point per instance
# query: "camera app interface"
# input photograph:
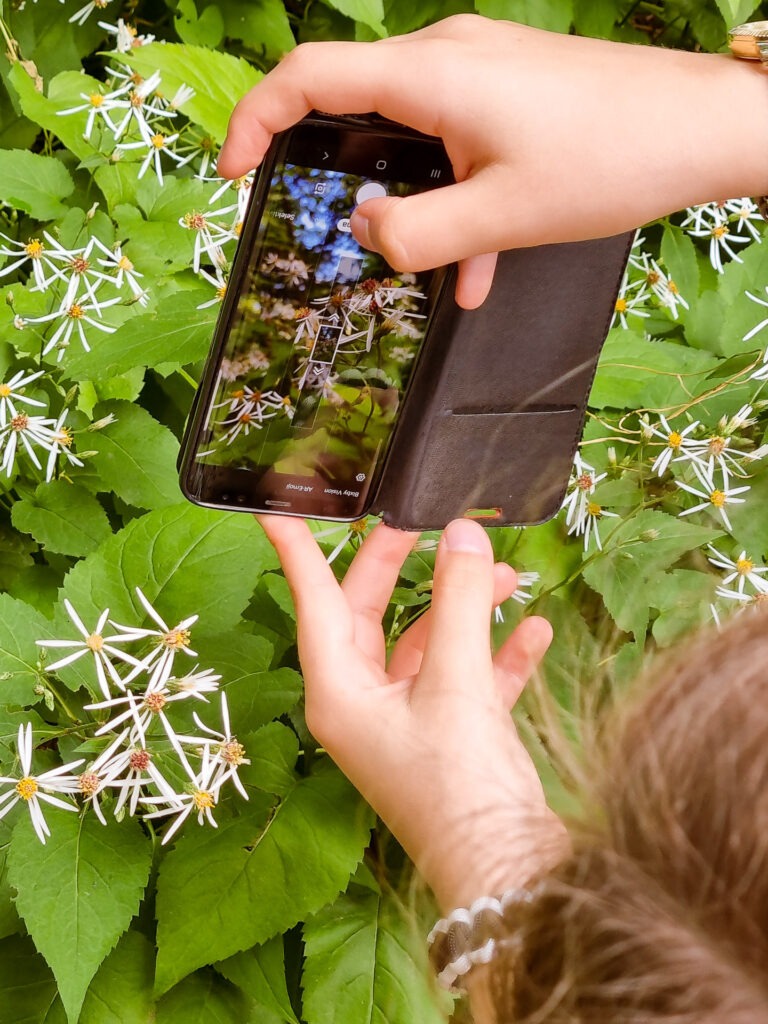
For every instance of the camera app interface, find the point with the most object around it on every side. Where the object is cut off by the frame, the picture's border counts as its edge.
(321, 342)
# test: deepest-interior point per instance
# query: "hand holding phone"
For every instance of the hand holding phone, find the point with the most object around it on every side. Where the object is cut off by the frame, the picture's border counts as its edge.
(317, 337)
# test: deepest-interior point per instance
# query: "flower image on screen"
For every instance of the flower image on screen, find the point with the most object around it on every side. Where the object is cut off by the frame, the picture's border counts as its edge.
(321, 344)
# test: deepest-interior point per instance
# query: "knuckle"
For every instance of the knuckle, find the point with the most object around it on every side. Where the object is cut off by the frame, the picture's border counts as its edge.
(459, 25)
(390, 239)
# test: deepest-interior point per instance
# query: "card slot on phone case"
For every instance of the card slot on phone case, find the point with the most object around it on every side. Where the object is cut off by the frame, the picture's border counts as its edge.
(527, 410)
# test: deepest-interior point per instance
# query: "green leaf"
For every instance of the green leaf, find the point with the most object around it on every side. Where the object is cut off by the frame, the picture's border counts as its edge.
(20, 626)
(254, 694)
(635, 373)
(118, 183)
(27, 988)
(262, 26)
(219, 79)
(594, 17)
(204, 998)
(683, 604)
(206, 29)
(78, 893)
(15, 555)
(186, 560)
(64, 92)
(273, 752)
(63, 518)
(121, 992)
(178, 332)
(735, 12)
(679, 255)
(363, 966)
(260, 972)
(629, 575)
(258, 874)
(136, 457)
(34, 184)
(555, 15)
(369, 12)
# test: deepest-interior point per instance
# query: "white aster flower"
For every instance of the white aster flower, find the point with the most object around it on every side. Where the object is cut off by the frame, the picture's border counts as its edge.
(356, 530)
(678, 445)
(522, 594)
(34, 251)
(202, 797)
(220, 284)
(581, 485)
(716, 497)
(94, 642)
(209, 239)
(629, 305)
(156, 144)
(126, 272)
(99, 105)
(80, 17)
(720, 241)
(168, 642)
(755, 330)
(13, 391)
(744, 213)
(742, 569)
(34, 788)
(586, 523)
(25, 431)
(715, 450)
(126, 36)
(228, 753)
(73, 313)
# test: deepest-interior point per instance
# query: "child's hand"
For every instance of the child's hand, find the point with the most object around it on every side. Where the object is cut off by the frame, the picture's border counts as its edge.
(552, 137)
(427, 739)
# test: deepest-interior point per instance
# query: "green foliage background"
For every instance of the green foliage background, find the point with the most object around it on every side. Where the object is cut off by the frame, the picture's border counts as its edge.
(286, 913)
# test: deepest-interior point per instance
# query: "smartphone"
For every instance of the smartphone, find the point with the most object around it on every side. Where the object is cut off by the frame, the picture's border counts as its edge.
(317, 337)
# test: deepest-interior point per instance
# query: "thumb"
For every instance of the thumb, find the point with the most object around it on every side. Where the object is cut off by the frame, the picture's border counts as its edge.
(432, 228)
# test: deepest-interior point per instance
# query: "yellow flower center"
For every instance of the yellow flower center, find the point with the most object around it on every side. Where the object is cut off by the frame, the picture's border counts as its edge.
(124, 263)
(359, 525)
(744, 566)
(89, 783)
(26, 787)
(96, 99)
(232, 752)
(221, 291)
(64, 437)
(203, 800)
(718, 232)
(158, 140)
(652, 277)
(716, 445)
(136, 100)
(175, 639)
(5, 391)
(34, 248)
(621, 305)
(675, 440)
(717, 498)
(671, 286)
(95, 642)
(238, 228)
(155, 702)
(75, 312)
(594, 509)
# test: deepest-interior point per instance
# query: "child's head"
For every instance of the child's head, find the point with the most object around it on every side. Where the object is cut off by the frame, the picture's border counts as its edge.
(661, 911)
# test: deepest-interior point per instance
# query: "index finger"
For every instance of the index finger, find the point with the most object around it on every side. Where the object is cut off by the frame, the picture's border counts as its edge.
(337, 78)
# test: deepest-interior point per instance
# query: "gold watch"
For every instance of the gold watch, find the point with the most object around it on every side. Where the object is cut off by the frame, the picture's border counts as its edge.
(750, 42)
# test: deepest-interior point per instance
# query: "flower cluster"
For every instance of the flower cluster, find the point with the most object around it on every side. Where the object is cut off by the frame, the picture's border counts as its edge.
(644, 287)
(725, 225)
(140, 690)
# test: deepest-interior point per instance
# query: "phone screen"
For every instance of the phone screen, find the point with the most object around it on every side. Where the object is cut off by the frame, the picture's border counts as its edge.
(323, 335)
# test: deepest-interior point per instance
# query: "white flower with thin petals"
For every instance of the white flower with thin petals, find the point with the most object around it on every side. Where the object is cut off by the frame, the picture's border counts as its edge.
(586, 523)
(202, 797)
(80, 17)
(126, 36)
(627, 304)
(27, 432)
(168, 643)
(72, 314)
(156, 144)
(195, 684)
(34, 251)
(521, 594)
(714, 496)
(12, 391)
(141, 709)
(227, 751)
(219, 282)
(350, 531)
(35, 788)
(581, 485)
(126, 272)
(742, 569)
(678, 444)
(94, 642)
(715, 450)
(126, 770)
(99, 105)
(721, 240)
(744, 214)
(60, 441)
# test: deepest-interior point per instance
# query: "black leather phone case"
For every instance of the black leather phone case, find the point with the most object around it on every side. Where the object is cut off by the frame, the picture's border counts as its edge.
(496, 406)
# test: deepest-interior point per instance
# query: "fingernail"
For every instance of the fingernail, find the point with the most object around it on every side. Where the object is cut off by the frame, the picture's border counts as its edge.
(361, 229)
(463, 535)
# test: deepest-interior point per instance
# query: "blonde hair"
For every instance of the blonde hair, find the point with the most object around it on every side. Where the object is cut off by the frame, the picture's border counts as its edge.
(660, 911)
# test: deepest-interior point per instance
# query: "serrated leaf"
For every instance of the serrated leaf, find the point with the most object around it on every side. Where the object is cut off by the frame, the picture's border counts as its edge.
(260, 973)
(369, 12)
(273, 752)
(136, 456)
(630, 573)
(363, 967)
(78, 893)
(187, 560)
(20, 626)
(27, 987)
(259, 874)
(255, 695)
(63, 518)
(219, 80)
(204, 998)
(34, 184)
(121, 992)
(177, 332)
